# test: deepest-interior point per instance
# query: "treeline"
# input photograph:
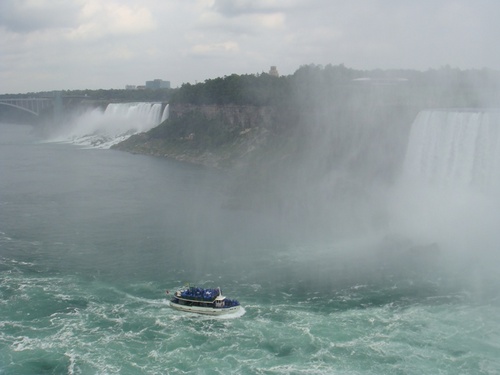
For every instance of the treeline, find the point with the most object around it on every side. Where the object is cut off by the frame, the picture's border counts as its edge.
(147, 95)
(311, 84)
(118, 95)
(263, 89)
(247, 89)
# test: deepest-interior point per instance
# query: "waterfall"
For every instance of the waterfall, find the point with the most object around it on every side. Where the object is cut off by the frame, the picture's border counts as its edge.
(454, 149)
(165, 114)
(448, 192)
(101, 129)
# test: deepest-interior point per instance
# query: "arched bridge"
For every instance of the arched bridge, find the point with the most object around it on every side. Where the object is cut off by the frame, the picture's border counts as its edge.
(34, 106)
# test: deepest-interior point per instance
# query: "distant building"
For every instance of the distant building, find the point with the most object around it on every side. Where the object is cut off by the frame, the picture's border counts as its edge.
(157, 84)
(130, 87)
(274, 71)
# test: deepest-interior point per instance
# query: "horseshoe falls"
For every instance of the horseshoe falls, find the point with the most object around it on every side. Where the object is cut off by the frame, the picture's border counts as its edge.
(90, 239)
(449, 189)
(455, 149)
(99, 128)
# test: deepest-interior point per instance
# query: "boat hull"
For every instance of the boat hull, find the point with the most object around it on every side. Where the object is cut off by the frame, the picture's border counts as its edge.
(205, 310)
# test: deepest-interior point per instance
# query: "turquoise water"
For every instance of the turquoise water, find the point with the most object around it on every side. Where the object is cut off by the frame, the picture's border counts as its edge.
(91, 239)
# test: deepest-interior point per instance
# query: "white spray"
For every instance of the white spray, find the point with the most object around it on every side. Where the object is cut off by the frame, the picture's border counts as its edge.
(102, 129)
(448, 193)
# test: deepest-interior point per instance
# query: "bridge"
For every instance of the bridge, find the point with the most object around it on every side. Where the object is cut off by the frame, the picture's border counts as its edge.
(34, 106)
(38, 108)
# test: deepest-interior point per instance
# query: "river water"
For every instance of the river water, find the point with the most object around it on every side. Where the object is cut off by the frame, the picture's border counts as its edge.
(90, 239)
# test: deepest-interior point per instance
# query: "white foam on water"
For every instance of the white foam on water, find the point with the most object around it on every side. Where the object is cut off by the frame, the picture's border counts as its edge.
(116, 331)
(96, 128)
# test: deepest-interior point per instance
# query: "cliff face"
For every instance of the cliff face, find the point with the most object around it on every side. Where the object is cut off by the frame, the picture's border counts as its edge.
(212, 135)
(234, 116)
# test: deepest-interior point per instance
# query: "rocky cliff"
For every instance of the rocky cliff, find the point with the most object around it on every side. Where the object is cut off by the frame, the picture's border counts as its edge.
(212, 135)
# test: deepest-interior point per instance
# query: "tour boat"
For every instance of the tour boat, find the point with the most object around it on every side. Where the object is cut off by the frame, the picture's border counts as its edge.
(203, 301)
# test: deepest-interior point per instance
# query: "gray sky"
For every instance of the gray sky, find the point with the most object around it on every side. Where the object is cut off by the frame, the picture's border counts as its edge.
(80, 44)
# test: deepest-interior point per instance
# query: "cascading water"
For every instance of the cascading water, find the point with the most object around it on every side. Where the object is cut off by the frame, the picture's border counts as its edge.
(165, 114)
(452, 149)
(448, 192)
(102, 129)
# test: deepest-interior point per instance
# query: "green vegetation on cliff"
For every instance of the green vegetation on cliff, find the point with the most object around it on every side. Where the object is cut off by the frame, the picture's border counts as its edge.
(258, 90)
(221, 121)
(213, 135)
(195, 131)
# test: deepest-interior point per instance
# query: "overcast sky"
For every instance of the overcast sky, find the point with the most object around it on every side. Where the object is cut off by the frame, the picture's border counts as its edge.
(80, 44)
